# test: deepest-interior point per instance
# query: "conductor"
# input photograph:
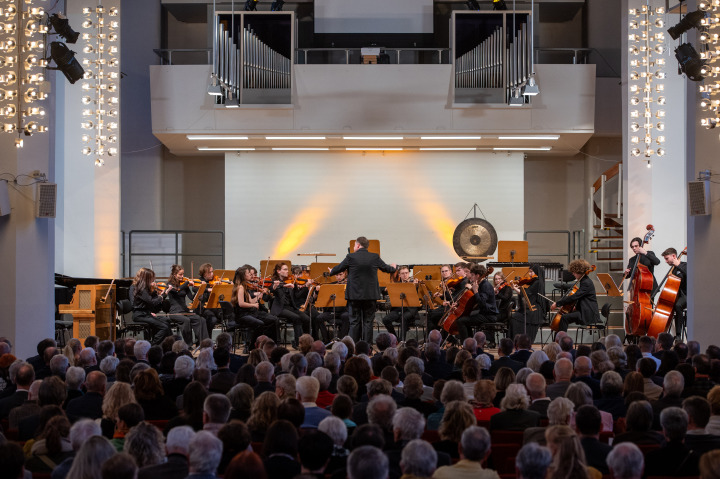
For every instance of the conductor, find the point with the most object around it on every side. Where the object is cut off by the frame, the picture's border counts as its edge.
(362, 290)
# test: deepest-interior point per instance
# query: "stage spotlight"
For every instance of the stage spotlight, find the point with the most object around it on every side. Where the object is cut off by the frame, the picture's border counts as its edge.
(499, 5)
(516, 99)
(530, 88)
(277, 6)
(690, 62)
(61, 25)
(66, 62)
(472, 5)
(250, 5)
(691, 20)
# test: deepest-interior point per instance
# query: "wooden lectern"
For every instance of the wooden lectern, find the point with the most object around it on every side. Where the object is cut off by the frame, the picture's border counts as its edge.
(93, 311)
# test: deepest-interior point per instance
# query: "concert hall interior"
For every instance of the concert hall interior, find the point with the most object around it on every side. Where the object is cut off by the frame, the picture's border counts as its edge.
(350, 131)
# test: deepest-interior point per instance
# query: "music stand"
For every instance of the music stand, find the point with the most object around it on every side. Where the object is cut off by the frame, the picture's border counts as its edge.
(196, 300)
(317, 269)
(405, 295)
(608, 284)
(512, 251)
(220, 292)
(374, 246)
(331, 296)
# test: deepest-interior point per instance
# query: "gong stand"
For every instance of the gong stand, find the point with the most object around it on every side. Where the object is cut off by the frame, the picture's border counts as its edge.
(475, 239)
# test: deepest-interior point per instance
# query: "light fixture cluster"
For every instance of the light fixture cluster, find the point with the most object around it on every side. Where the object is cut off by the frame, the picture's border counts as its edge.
(646, 43)
(709, 37)
(100, 95)
(22, 68)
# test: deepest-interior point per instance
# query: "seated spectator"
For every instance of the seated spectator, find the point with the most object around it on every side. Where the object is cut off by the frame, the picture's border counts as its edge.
(367, 462)
(580, 394)
(713, 425)
(562, 372)
(285, 386)
(129, 416)
(241, 397)
(183, 369)
(583, 368)
(611, 400)
(177, 451)
(532, 461)
(280, 450)
(626, 461)
(144, 443)
(22, 375)
(314, 452)
(244, 465)
(29, 407)
(484, 394)
(638, 424)
(205, 455)
(80, 432)
(216, 411)
(697, 438)
(710, 465)
(451, 391)
(458, 416)
(335, 428)
(235, 438)
(117, 396)
(413, 391)
(191, 414)
(342, 408)
(408, 425)
(90, 458)
(12, 461)
(588, 423)
(536, 388)
(474, 448)
(307, 389)
(265, 374)
(418, 460)
(119, 466)
(674, 458)
(262, 414)
(515, 414)
(325, 397)
(51, 392)
(53, 444)
(375, 388)
(568, 456)
(559, 413)
(150, 395)
(223, 379)
(647, 367)
(505, 349)
(536, 359)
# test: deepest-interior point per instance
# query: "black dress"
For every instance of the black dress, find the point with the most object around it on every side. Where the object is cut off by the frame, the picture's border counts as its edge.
(528, 322)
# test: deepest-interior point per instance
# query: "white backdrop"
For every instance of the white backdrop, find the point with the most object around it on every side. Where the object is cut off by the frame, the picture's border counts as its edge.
(280, 204)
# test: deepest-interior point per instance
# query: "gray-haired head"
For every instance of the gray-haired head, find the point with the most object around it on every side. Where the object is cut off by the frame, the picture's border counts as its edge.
(83, 430)
(612, 340)
(532, 461)
(323, 376)
(367, 462)
(264, 371)
(673, 383)
(205, 453)
(380, 411)
(475, 443)
(536, 359)
(74, 377)
(674, 422)
(334, 427)
(178, 440)
(58, 364)
(418, 458)
(141, 349)
(408, 424)
(340, 349)
(332, 361)
(483, 361)
(611, 384)
(559, 411)
(184, 367)
(108, 365)
(626, 461)
(414, 365)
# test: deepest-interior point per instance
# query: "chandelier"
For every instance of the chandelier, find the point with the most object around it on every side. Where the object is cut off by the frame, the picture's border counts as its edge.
(100, 95)
(646, 42)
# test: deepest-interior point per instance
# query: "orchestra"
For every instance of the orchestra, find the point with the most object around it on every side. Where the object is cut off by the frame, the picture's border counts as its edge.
(465, 300)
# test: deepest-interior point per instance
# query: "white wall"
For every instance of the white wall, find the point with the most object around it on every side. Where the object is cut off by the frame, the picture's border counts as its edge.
(279, 205)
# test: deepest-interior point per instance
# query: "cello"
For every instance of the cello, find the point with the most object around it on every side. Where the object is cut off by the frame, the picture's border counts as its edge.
(663, 312)
(639, 312)
(568, 308)
(462, 307)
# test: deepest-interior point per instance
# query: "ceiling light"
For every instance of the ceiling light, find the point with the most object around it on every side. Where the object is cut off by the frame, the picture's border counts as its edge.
(529, 137)
(301, 149)
(689, 62)
(372, 137)
(209, 148)
(516, 99)
(451, 137)
(232, 103)
(215, 137)
(689, 21)
(61, 25)
(373, 149)
(531, 89)
(66, 62)
(448, 149)
(214, 89)
(540, 148)
(294, 137)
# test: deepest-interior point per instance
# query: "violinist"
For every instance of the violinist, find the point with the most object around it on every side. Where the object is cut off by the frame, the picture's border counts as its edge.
(177, 296)
(526, 321)
(486, 310)
(586, 307)
(147, 302)
(448, 293)
(670, 256)
(341, 313)
(212, 315)
(302, 276)
(408, 314)
(246, 296)
(286, 301)
(646, 258)
(503, 297)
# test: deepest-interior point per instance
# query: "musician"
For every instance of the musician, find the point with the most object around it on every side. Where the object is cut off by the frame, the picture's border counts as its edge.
(486, 310)
(177, 296)
(646, 258)
(586, 308)
(286, 302)
(147, 302)
(448, 294)
(319, 330)
(246, 296)
(362, 290)
(679, 269)
(525, 321)
(212, 315)
(408, 314)
(503, 297)
(341, 313)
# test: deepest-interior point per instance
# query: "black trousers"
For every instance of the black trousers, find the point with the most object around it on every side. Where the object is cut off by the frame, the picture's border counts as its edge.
(212, 316)
(394, 316)
(299, 320)
(189, 324)
(161, 328)
(565, 319)
(262, 323)
(342, 321)
(362, 315)
(474, 319)
(679, 316)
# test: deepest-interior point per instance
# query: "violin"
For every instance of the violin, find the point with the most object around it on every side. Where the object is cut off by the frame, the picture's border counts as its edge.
(527, 278)
(463, 306)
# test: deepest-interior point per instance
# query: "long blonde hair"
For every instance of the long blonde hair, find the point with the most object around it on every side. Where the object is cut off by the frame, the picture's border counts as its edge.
(116, 397)
(568, 455)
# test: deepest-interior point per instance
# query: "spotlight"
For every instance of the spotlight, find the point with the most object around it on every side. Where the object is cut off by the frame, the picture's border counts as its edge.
(277, 6)
(691, 20)
(516, 99)
(531, 88)
(689, 62)
(499, 5)
(472, 5)
(250, 5)
(66, 62)
(61, 25)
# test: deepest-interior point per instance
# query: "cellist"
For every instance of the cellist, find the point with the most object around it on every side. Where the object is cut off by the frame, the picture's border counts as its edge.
(670, 256)
(486, 310)
(646, 258)
(586, 307)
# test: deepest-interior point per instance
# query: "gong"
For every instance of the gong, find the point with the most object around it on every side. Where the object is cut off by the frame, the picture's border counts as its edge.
(474, 237)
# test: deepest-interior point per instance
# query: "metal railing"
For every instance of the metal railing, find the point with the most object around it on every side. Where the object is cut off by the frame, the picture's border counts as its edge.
(158, 245)
(166, 55)
(568, 254)
(350, 54)
(574, 55)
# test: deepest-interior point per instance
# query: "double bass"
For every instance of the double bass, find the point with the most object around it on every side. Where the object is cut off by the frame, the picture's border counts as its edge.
(638, 315)
(669, 289)
(568, 308)
(462, 307)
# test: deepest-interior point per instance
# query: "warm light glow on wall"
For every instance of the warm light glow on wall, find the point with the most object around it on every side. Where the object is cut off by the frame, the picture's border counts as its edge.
(647, 49)
(306, 222)
(429, 206)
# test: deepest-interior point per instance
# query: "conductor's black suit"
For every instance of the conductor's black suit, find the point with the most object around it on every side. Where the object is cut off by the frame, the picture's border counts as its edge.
(362, 290)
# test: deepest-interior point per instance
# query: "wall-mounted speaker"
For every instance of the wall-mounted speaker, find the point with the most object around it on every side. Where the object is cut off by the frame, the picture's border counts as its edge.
(45, 200)
(4, 198)
(699, 197)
